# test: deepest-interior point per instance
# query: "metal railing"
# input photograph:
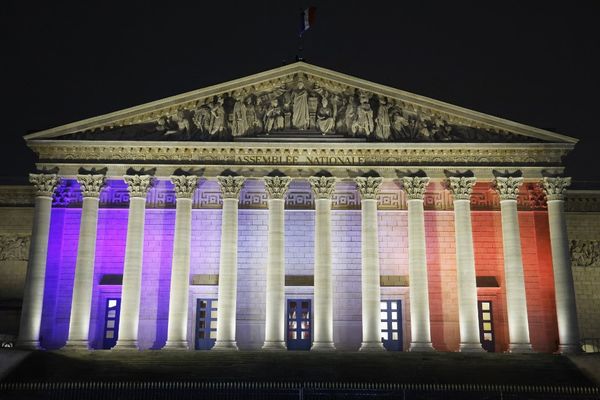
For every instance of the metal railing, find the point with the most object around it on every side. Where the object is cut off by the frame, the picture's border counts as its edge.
(590, 345)
(286, 390)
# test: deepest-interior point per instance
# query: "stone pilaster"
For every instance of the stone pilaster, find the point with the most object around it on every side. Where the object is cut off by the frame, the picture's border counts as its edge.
(138, 186)
(79, 324)
(185, 186)
(226, 313)
(276, 188)
(420, 327)
(516, 299)
(33, 295)
(461, 188)
(368, 187)
(323, 188)
(566, 310)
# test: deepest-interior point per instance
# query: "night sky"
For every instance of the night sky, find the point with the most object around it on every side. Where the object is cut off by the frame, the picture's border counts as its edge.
(537, 64)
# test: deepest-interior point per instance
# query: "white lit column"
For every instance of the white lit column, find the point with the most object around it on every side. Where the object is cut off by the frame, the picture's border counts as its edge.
(461, 188)
(323, 188)
(566, 309)
(226, 312)
(420, 329)
(33, 296)
(138, 186)
(368, 188)
(516, 299)
(81, 304)
(185, 186)
(276, 188)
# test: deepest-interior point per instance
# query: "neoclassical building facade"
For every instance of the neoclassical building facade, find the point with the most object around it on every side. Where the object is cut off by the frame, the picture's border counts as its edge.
(300, 209)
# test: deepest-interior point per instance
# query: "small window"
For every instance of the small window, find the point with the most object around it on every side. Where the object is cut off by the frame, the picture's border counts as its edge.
(112, 303)
(110, 334)
(110, 323)
(112, 314)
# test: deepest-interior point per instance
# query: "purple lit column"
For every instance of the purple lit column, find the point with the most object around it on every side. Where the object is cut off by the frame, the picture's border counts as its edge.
(33, 296)
(138, 186)
(185, 186)
(79, 325)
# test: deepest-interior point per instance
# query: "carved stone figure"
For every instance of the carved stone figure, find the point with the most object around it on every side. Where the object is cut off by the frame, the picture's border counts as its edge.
(382, 122)
(217, 120)
(14, 247)
(325, 121)
(254, 122)
(239, 125)
(202, 117)
(364, 117)
(274, 117)
(300, 113)
(350, 116)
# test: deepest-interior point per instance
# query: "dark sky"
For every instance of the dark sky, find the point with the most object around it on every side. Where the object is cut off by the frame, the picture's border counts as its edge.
(536, 64)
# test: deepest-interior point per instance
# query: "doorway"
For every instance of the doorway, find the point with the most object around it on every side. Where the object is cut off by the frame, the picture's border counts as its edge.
(391, 324)
(486, 326)
(112, 312)
(299, 324)
(206, 323)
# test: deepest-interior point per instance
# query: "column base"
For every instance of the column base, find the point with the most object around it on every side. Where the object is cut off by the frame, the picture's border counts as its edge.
(29, 345)
(322, 346)
(225, 345)
(471, 348)
(127, 345)
(421, 347)
(274, 346)
(176, 345)
(569, 348)
(371, 347)
(74, 345)
(520, 348)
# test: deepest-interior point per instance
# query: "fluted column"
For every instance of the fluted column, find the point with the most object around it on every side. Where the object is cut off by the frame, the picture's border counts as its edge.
(276, 188)
(323, 188)
(368, 187)
(226, 313)
(566, 309)
(516, 299)
(185, 186)
(420, 328)
(33, 295)
(461, 188)
(79, 324)
(138, 186)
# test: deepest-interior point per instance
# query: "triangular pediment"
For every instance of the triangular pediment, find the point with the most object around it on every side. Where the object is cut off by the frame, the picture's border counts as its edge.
(304, 102)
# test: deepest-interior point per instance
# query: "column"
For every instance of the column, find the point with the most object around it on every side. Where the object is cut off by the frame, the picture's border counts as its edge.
(461, 188)
(516, 299)
(138, 186)
(185, 186)
(276, 188)
(33, 295)
(226, 312)
(420, 328)
(566, 310)
(371, 294)
(81, 304)
(323, 188)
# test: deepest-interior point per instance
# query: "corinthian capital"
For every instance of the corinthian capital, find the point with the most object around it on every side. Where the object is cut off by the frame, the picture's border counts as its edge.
(231, 186)
(415, 186)
(185, 186)
(44, 183)
(507, 187)
(461, 187)
(322, 186)
(555, 188)
(276, 186)
(91, 185)
(368, 187)
(138, 185)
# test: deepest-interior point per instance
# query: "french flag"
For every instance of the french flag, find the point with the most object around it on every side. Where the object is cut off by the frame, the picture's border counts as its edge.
(307, 19)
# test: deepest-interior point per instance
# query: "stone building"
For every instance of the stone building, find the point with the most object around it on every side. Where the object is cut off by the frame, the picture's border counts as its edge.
(300, 208)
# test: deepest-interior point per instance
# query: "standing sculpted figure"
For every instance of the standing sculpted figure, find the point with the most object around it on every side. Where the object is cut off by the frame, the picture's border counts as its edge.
(300, 115)
(254, 123)
(382, 122)
(364, 117)
(217, 120)
(325, 121)
(274, 117)
(239, 125)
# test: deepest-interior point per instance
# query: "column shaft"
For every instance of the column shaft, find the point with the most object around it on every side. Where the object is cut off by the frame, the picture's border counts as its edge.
(418, 282)
(33, 296)
(516, 300)
(180, 272)
(79, 325)
(132, 276)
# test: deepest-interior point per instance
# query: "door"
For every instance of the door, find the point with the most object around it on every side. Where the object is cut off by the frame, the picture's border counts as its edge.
(111, 323)
(391, 324)
(206, 323)
(486, 326)
(299, 326)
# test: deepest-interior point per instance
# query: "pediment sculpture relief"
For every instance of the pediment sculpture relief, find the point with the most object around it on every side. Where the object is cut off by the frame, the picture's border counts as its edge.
(300, 104)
